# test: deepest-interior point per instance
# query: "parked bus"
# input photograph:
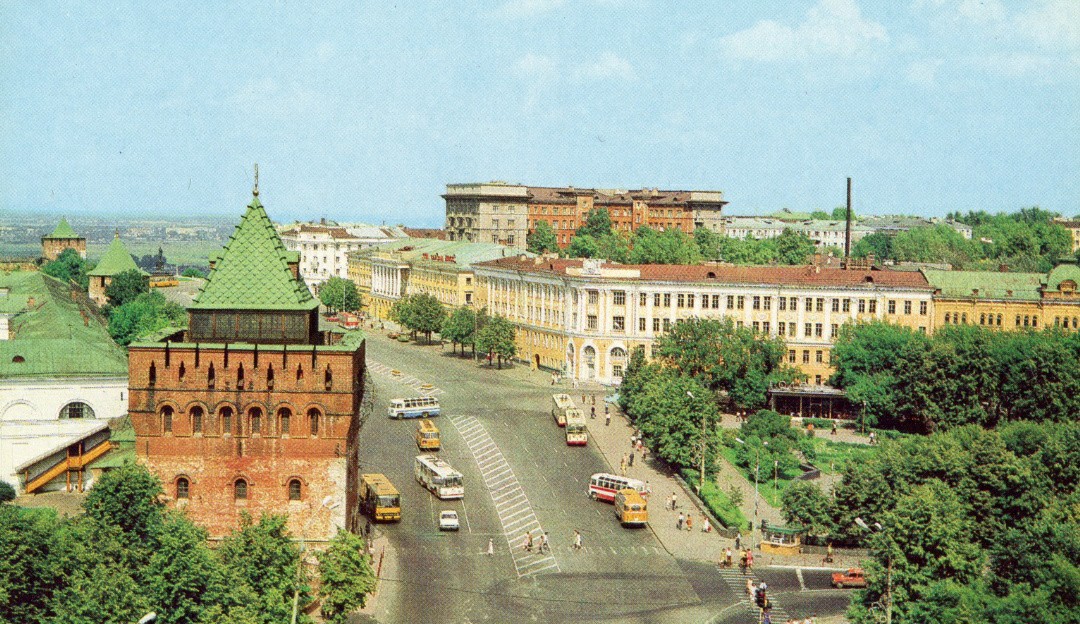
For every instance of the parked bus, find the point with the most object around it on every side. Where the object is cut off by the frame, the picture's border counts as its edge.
(439, 477)
(631, 508)
(559, 404)
(604, 486)
(379, 498)
(576, 435)
(414, 407)
(427, 436)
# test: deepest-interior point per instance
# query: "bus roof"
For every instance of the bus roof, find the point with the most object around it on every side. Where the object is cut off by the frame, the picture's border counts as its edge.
(438, 465)
(631, 495)
(563, 400)
(575, 414)
(379, 483)
(420, 400)
(426, 425)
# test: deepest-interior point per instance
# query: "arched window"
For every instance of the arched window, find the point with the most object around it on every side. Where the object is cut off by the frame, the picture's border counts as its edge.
(76, 409)
(294, 490)
(240, 377)
(153, 374)
(270, 377)
(166, 419)
(240, 489)
(182, 488)
(328, 378)
(211, 377)
(284, 416)
(299, 372)
(196, 418)
(255, 420)
(313, 419)
(226, 420)
(181, 372)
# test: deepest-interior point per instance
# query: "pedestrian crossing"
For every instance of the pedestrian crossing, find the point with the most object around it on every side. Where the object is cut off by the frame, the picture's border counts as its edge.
(736, 581)
(563, 550)
(515, 512)
(423, 387)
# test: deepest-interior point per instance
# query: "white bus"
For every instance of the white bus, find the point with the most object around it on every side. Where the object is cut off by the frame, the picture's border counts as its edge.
(559, 404)
(604, 486)
(576, 435)
(435, 474)
(414, 407)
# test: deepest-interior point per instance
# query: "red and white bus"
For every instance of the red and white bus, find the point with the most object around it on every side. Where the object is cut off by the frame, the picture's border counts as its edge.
(604, 486)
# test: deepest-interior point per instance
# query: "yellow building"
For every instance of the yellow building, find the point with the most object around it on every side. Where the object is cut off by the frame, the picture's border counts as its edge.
(583, 317)
(1007, 300)
(386, 273)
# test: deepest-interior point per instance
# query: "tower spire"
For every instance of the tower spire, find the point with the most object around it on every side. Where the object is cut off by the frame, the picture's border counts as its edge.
(255, 191)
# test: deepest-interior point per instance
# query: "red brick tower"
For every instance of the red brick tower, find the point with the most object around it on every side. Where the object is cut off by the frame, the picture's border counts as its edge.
(251, 407)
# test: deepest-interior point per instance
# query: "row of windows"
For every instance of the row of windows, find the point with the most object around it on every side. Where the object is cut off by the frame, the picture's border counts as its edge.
(759, 302)
(251, 425)
(819, 356)
(242, 380)
(293, 490)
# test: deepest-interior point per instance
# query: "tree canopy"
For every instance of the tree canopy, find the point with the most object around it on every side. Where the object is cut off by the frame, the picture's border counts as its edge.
(496, 337)
(460, 327)
(147, 313)
(338, 293)
(421, 312)
(69, 266)
(125, 286)
(542, 239)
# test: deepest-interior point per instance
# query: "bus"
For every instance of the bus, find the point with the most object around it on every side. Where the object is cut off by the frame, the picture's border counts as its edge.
(379, 498)
(414, 407)
(576, 435)
(559, 404)
(427, 436)
(631, 508)
(435, 474)
(604, 486)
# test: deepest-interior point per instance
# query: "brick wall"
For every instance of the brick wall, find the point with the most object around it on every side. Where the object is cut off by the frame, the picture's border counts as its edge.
(51, 248)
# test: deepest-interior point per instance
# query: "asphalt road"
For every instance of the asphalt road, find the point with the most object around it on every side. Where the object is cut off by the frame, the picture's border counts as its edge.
(519, 474)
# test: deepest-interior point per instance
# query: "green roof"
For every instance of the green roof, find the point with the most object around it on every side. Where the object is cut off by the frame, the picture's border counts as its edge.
(63, 230)
(1062, 272)
(116, 260)
(252, 272)
(464, 253)
(55, 337)
(990, 285)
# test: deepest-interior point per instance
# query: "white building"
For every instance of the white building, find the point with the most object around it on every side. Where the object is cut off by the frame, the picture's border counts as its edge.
(324, 246)
(823, 233)
(62, 378)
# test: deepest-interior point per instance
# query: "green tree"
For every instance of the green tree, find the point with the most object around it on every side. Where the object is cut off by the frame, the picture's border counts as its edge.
(26, 578)
(613, 246)
(102, 594)
(7, 492)
(583, 246)
(821, 215)
(424, 313)
(147, 313)
(69, 266)
(127, 498)
(460, 328)
(840, 214)
(794, 247)
(496, 338)
(402, 312)
(597, 223)
(184, 580)
(667, 247)
(126, 287)
(542, 239)
(346, 575)
(338, 293)
(263, 557)
(674, 412)
(879, 244)
(938, 243)
(806, 506)
(194, 272)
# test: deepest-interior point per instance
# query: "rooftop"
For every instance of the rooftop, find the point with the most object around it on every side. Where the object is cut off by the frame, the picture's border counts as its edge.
(990, 285)
(460, 253)
(116, 260)
(63, 230)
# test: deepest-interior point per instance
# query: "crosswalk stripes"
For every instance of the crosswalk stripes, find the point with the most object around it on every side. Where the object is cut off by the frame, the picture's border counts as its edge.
(419, 385)
(513, 508)
(736, 580)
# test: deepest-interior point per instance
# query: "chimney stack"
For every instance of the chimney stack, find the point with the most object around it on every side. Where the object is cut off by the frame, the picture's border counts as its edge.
(847, 229)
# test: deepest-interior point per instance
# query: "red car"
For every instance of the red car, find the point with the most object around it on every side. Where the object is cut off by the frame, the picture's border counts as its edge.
(852, 578)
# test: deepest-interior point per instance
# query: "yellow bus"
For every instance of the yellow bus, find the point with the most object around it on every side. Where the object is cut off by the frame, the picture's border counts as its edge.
(379, 498)
(427, 436)
(631, 508)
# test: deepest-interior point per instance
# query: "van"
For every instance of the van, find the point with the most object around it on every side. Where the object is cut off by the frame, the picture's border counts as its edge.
(427, 436)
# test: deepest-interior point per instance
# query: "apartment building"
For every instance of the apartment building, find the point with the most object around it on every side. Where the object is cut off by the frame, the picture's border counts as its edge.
(504, 213)
(385, 273)
(324, 247)
(583, 317)
(823, 233)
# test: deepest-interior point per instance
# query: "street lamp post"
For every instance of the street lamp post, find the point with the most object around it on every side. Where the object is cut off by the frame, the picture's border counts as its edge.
(876, 528)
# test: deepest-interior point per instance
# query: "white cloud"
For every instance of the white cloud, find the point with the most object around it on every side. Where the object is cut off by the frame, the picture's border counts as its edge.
(832, 29)
(609, 65)
(1054, 23)
(923, 72)
(518, 9)
(535, 66)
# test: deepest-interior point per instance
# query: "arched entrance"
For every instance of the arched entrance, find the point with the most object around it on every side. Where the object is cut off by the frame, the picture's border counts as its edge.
(617, 358)
(569, 366)
(590, 362)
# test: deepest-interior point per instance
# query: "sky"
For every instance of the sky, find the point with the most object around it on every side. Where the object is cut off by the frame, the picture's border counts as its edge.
(364, 111)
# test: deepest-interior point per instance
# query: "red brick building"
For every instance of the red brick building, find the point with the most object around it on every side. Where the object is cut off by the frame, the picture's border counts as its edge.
(61, 238)
(252, 408)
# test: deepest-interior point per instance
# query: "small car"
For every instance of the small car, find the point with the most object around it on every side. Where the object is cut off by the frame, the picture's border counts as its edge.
(448, 521)
(853, 577)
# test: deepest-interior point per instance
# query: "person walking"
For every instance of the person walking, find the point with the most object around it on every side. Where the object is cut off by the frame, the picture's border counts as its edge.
(738, 541)
(749, 560)
(707, 528)
(622, 466)
(690, 522)
(592, 412)
(527, 546)
(542, 543)
(491, 547)
(679, 522)
(577, 539)
(574, 382)
(673, 506)
(648, 490)
(872, 438)
(631, 462)
(607, 418)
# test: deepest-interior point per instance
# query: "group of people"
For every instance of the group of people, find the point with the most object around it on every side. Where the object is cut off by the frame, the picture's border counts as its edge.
(541, 543)
(687, 522)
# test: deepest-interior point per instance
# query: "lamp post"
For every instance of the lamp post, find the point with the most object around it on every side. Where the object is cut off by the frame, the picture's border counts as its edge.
(701, 482)
(757, 471)
(876, 528)
(327, 503)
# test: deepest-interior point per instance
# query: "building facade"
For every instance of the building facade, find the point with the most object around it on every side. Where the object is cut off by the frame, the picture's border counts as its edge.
(1007, 301)
(823, 233)
(62, 378)
(61, 238)
(116, 260)
(324, 248)
(584, 317)
(504, 213)
(251, 408)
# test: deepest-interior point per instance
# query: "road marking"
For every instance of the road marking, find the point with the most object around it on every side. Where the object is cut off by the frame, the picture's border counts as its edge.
(736, 580)
(507, 495)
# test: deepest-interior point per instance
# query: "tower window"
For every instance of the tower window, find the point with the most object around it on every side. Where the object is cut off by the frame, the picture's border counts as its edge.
(294, 490)
(240, 490)
(196, 419)
(166, 419)
(255, 418)
(226, 420)
(182, 488)
(313, 418)
(284, 416)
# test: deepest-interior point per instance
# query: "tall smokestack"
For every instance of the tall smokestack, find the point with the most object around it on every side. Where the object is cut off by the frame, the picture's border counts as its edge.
(847, 230)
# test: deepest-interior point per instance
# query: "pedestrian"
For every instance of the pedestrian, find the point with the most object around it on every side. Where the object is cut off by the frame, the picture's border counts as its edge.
(750, 587)
(833, 428)
(583, 400)
(828, 554)
(679, 522)
(727, 557)
(872, 440)
(491, 547)
(708, 527)
(553, 379)
(749, 559)
(605, 410)
(644, 450)
(648, 490)
(631, 462)
(689, 522)
(738, 541)
(543, 542)
(527, 546)
(592, 413)
(577, 539)
(575, 383)
(673, 501)
(367, 528)
(607, 418)
(594, 399)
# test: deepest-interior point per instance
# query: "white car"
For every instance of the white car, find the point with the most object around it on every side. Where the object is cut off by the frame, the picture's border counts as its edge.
(448, 521)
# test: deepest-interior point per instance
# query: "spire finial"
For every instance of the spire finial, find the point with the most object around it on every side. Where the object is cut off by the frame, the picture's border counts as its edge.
(255, 191)
(116, 233)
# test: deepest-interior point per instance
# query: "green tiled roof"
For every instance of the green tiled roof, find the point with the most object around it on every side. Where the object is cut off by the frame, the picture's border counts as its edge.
(1062, 272)
(990, 285)
(55, 337)
(63, 230)
(464, 253)
(252, 272)
(116, 260)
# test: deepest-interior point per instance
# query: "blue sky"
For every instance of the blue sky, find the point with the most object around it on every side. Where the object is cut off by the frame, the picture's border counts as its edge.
(365, 110)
